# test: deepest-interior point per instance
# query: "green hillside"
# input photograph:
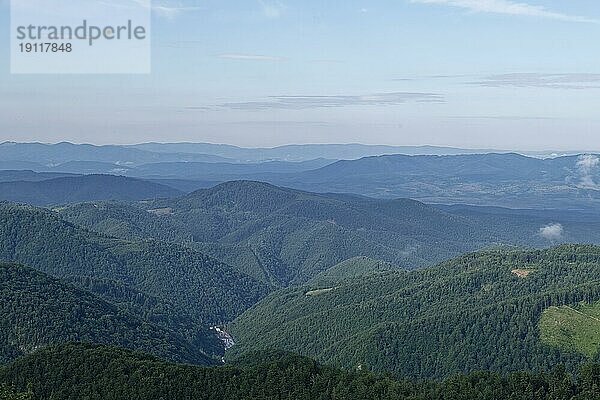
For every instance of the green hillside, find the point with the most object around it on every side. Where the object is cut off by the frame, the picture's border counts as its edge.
(142, 221)
(37, 311)
(479, 311)
(285, 237)
(167, 284)
(353, 268)
(572, 328)
(97, 372)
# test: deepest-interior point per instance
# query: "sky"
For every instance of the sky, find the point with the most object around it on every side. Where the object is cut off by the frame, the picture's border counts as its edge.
(520, 75)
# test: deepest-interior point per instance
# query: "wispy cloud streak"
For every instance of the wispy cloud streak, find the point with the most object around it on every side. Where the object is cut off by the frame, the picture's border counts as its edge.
(250, 57)
(549, 81)
(307, 102)
(508, 7)
(166, 9)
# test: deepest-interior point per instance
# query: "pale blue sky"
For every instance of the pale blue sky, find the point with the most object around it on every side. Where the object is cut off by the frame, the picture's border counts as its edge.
(471, 73)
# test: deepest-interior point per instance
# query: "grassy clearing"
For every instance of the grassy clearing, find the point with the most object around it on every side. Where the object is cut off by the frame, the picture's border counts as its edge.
(318, 292)
(572, 328)
(522, 273)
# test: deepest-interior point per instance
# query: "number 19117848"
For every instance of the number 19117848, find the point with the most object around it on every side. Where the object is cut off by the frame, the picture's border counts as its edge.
(45, 47)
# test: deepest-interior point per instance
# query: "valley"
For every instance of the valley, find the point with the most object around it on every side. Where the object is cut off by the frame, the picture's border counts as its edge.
(300, 200)
(351, 286)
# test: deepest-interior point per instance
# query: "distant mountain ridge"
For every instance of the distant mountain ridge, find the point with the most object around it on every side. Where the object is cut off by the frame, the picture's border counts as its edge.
(70, 189)
(53, 154)
(506, 180)
(223, 171)
(428, 174)
(30, 176)
(144, 153)
(303, 152)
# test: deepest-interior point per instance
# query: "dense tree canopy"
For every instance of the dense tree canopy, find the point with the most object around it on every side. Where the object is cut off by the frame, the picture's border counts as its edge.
(37, 311)
(74, 372)
(169, 286)
(286, 237)
(184, 280)
(479, 311)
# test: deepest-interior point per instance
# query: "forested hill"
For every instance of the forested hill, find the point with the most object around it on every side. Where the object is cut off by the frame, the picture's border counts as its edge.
(28, 175)
(499, 310)
(167, 284)
(356, 267)
(37, 311)
(96, 372)
(74, 189)
(285, 236)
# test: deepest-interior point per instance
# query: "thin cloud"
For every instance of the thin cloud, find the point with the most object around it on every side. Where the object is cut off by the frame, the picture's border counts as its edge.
(307, 102)
(326, 61)
(503, 117)
(166, 9)
(271, 124)
(429, 77)
(536, 80)
(250, 57)
(271, 10)
(508, 7)
(200, 108)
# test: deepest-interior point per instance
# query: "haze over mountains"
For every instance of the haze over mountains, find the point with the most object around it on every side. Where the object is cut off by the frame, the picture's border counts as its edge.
(70, 189)
(508, 180)
(302, 152)
(422, 266)
(156, 152)
(427, 174)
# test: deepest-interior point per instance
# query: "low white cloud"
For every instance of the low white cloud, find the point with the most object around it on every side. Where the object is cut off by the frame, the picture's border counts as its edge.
(587, 165)
(552, 232)
(508, 7)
